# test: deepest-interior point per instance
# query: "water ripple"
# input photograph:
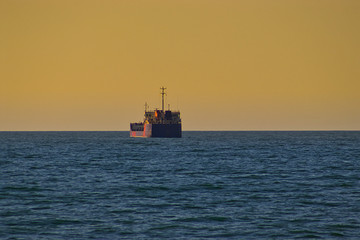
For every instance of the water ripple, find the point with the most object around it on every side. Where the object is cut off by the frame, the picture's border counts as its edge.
(217, 185)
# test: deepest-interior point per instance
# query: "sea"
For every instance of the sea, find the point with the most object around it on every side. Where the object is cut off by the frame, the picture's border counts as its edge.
(205, 185)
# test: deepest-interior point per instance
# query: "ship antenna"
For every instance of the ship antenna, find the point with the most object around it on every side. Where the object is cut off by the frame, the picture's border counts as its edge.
(162, 97)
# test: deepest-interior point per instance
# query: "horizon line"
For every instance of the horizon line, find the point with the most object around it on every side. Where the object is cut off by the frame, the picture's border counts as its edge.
(251, 130)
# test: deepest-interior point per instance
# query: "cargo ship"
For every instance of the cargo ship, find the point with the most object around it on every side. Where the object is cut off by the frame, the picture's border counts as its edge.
(158, 123)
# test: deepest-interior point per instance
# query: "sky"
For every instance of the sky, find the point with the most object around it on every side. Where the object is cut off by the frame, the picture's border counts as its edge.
(90, 65)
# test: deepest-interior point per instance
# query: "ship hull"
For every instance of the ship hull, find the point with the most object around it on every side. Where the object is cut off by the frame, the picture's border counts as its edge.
(158, 131)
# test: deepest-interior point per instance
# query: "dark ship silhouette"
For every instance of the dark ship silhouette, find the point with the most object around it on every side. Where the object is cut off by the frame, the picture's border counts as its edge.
(158, 123)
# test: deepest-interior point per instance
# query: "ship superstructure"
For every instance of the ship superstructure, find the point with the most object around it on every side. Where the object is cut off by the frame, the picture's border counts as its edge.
(158, 123)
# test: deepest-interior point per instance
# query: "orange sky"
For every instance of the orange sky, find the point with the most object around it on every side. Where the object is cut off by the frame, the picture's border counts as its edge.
(227, 64)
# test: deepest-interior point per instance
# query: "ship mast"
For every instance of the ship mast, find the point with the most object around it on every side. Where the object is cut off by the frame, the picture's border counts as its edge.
(162, 97)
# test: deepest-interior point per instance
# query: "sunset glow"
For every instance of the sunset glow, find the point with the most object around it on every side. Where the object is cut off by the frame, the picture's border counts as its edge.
(227, 65)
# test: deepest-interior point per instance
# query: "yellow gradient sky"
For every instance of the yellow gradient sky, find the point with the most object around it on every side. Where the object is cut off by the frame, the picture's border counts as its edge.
(227, 64)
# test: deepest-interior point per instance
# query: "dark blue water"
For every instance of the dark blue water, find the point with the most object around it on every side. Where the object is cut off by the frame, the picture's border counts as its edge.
(230, 185)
